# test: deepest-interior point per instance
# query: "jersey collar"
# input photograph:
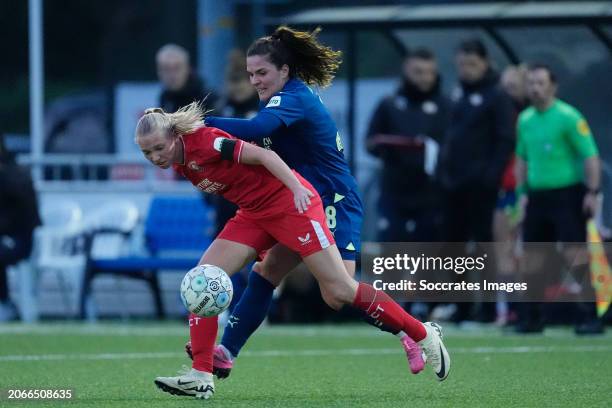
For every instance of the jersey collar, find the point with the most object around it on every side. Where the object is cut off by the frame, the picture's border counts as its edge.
(291, 85)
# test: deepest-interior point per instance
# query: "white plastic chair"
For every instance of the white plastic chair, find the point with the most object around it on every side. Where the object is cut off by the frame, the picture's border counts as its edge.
(111, 223)
(56, 248)
(109, 227)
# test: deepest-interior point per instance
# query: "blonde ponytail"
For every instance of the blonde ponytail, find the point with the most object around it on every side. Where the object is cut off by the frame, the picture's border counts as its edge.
(186, 120)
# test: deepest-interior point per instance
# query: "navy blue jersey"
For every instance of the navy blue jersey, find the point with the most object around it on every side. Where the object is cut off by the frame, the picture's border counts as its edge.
(309, 142)
(297, 126)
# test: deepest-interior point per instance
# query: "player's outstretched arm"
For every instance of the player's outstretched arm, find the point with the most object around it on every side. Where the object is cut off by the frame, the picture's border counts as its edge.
(270, 160)
(250, 130)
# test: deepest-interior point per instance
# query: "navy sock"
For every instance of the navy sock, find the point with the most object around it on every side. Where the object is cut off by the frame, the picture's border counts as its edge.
(248, 314)
(239, 282)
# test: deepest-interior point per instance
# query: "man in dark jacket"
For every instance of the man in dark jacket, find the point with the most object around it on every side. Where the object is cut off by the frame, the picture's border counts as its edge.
(18, 219)
(405, 132)
(180, 84)
(478, 144)
(477, 147)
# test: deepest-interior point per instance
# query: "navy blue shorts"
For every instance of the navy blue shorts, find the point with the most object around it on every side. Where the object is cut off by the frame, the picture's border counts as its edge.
(344, 217)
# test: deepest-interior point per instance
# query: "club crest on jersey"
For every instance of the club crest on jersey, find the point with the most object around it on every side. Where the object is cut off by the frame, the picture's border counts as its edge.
(194, 166)
(274, 101)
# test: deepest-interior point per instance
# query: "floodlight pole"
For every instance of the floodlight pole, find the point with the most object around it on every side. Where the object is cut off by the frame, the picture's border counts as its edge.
(215, 38)
(35, 28)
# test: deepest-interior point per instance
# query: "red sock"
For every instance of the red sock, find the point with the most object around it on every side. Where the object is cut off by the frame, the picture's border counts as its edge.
(384, 310)
(203, 332)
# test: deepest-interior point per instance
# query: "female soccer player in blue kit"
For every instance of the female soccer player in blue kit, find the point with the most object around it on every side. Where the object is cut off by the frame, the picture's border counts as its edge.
(295, 124)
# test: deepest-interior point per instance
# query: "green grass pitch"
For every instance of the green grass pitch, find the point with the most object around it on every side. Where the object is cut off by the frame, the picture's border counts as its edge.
(113, 365)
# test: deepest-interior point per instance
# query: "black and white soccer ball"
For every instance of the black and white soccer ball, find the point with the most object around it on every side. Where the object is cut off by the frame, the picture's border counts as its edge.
(206, 290)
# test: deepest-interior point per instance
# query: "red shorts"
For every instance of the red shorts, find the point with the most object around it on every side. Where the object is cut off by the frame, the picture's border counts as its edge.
(304, 233)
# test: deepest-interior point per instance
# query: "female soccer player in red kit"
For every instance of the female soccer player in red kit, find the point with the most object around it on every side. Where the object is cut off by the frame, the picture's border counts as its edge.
(276, 205)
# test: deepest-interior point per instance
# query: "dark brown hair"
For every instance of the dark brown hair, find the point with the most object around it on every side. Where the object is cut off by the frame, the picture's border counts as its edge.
(474, 46)
(307, 59)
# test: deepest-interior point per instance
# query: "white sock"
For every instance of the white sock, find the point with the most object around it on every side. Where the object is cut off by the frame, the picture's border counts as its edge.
(401, 334)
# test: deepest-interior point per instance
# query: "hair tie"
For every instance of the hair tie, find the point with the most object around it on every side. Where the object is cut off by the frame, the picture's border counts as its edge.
(154, 110)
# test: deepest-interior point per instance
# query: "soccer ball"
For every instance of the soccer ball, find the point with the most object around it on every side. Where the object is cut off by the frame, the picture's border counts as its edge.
(206, 290)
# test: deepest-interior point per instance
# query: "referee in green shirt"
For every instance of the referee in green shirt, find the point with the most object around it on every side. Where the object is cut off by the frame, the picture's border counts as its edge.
(558, 168)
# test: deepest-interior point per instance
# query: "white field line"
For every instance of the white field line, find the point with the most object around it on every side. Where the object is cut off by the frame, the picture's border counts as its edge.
(177, 330)
(88, 329)
(307, 353)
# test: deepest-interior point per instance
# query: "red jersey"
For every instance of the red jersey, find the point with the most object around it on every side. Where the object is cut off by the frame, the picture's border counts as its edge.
(251, 187)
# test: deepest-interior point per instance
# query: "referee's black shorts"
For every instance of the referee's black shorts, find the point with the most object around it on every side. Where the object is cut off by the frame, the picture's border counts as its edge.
(556, 215)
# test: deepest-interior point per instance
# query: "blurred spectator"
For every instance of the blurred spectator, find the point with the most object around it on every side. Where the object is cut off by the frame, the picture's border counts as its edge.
(405, 132)
(180, 84)
(553, 138)
(477, 147)
(514, 82)
(18, 219)
(505, 231)
(239, 100)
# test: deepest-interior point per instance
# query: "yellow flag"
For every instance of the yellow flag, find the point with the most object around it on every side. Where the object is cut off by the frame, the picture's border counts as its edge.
(601, 275)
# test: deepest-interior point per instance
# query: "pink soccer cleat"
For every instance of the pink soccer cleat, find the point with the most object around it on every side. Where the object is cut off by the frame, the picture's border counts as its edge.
(414, 354)
(222, 363)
